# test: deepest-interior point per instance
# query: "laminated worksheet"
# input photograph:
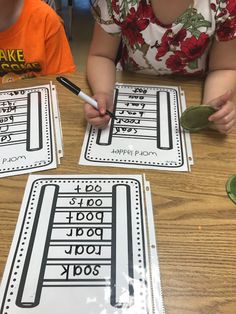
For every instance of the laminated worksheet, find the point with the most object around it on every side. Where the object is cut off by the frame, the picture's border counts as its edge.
(83, 244)
(145, 133)
(30, 131)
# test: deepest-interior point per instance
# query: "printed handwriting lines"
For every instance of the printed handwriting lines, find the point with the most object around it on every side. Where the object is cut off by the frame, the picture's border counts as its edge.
(75, 225)
(13, 143)
(97, 241)
(145, 87)
(7, 119)
(19, 132)
(151, 138)
(82, 280)
(7, 131)
(133, 112)
(11, 123)
(12, 109)
(130, 96)
(59, 261)
(135, 104)
(139, 127)
(17, 102)
(76, 285)
(80, 224)
(76, 243)
(87, 194)
(66, 209)
(132, 120)
(19, 114)
(76, 208)
(80, 211)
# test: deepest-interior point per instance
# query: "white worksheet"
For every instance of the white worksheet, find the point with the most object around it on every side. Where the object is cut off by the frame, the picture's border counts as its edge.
(30, 133)
(83, 244)
(145, 134)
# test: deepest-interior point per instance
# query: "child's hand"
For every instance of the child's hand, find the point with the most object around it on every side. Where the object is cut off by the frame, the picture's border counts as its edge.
(224, 118)
(98, 118)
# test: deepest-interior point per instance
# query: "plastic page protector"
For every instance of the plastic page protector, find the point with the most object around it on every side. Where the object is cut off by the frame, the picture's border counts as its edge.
(29, 130)
(83, 244)
(145, 134)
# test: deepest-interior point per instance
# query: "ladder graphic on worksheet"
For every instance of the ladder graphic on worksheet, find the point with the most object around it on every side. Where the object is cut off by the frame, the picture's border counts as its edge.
(145, 132)
(19, 116)
(26, 129)
(143, 114)
(90, 235)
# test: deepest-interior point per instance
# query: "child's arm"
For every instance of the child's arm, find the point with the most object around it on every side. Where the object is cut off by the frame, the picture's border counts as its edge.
(101, 74)
(220, 85)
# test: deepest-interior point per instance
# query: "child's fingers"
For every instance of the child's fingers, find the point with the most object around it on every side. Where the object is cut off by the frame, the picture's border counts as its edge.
(224, 128)
(94, 117)
(220, 114)
(99, 122)
(226, 121)
(102, 104)
(218, 102)
(223, 112)
(90, 112)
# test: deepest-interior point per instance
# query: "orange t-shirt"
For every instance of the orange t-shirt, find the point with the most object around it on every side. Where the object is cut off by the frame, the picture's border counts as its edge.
(35, 45)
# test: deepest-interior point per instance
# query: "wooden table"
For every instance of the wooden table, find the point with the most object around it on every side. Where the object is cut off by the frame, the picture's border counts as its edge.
(194, 218)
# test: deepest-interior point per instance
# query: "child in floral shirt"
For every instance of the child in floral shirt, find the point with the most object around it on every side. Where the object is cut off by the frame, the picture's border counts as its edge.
(181, 37)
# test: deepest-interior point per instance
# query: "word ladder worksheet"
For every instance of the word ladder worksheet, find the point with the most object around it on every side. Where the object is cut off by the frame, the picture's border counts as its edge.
(30, 131)
(145, 133)
(83, 244)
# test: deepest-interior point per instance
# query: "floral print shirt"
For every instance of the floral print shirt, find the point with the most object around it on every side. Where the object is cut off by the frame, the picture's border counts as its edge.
(179, 48)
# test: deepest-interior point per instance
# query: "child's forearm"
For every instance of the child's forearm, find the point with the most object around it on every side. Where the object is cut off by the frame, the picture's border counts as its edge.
(101, 74)
(217, 83)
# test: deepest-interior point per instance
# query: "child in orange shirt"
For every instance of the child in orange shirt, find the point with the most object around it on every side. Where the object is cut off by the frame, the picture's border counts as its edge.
(32, 41)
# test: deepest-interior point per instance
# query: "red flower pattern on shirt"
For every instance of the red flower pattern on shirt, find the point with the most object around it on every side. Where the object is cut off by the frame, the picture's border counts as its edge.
(193, 47)
(231, 7)
(115, 6)
(227, 30)
(181, 47)
(176, 63)
(169, 41)
(132, 27)
(127, 62)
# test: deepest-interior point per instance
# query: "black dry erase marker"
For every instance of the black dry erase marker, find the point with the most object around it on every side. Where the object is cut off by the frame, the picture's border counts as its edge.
(77, 91)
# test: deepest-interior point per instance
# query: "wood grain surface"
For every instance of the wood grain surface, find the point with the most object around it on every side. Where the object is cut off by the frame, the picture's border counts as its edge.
(195, 220)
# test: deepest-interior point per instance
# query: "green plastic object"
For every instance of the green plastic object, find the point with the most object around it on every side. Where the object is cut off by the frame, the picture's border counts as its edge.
(231, 187)
(195, 118)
